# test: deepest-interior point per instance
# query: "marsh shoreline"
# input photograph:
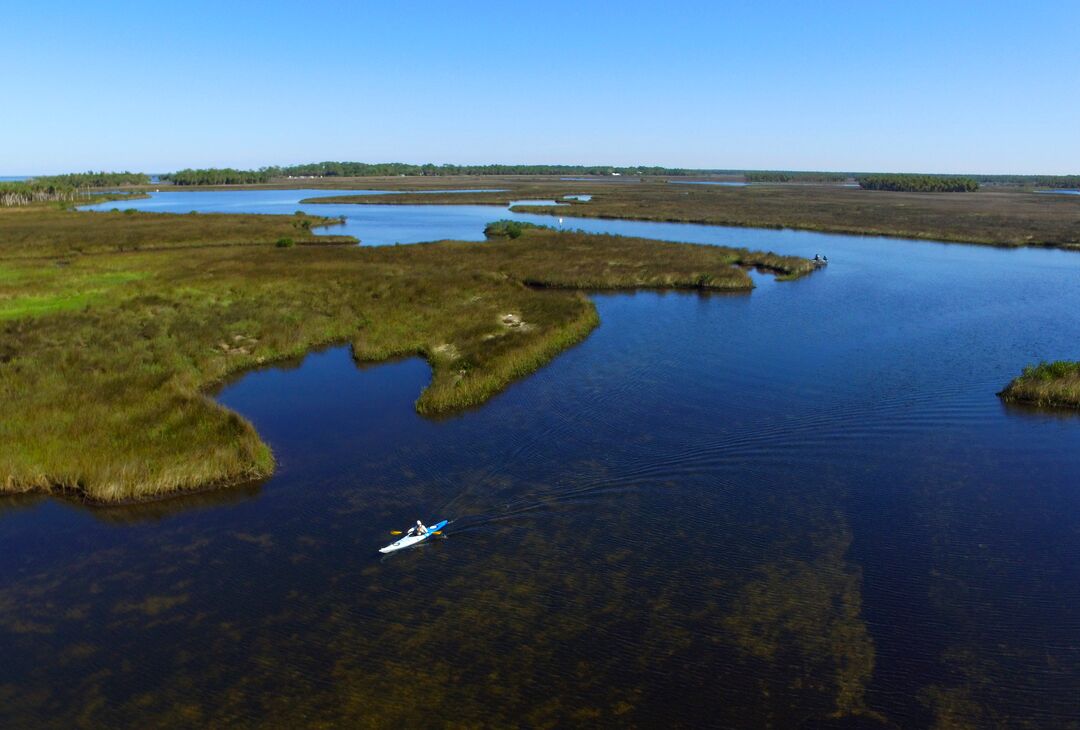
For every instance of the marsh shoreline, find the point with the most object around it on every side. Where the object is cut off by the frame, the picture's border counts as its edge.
(1046, 385)
(153, 311)
(1008, 218)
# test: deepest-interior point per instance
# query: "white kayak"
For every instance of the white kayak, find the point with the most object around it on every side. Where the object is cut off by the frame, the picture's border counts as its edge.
(410, 540)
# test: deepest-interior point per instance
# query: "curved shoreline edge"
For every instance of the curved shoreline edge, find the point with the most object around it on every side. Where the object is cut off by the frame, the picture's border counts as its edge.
(110, 394)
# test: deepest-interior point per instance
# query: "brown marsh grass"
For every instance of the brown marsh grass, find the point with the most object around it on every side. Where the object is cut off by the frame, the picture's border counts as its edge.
(995, 217)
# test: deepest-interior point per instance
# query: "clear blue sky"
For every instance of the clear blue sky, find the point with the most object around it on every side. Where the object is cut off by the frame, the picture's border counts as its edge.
(905, 86)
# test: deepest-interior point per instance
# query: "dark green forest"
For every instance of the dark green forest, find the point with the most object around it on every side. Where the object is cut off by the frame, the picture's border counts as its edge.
(780, 176)
(220, 176)
(919, 183)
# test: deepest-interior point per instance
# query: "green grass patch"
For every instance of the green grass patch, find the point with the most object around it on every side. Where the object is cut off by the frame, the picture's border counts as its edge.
(107, 348)
(1046, 384)
(49, 233)
(35, 306)
(31, 292)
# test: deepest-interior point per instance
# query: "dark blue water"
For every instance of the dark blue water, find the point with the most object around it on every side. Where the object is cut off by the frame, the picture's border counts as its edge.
(751, 510)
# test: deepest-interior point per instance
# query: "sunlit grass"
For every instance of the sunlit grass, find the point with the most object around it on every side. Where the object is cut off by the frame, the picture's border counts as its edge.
(1047, 384)
(45, 291)
(106, 355)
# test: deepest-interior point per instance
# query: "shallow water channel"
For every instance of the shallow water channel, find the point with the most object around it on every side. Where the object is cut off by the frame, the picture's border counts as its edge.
(744, 510)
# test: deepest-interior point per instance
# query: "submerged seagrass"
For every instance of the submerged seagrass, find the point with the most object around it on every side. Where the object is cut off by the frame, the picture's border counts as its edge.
(114, 324)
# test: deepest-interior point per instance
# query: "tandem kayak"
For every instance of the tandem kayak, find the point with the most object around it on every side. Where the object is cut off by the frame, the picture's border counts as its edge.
(410, 540)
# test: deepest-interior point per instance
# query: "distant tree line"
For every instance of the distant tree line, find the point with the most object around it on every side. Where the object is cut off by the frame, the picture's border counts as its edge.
(369, 169)
(803, 177)
(25, 193)
(919, 183)
(230, 176)
(94, 179)
(220, 176)
(1059, 182)
(873, 181)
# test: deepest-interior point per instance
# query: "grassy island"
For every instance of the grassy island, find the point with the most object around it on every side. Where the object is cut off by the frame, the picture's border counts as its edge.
(114, 325)
(1046, 384)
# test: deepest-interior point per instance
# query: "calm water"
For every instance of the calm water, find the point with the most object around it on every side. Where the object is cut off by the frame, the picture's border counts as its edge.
(746, 510)
(374, 225)
(725, 183)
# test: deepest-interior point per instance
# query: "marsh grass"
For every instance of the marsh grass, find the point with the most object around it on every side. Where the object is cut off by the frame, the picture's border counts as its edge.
(997, 217)
(1047, 384)
(597, 261)
(1008, 219)
(42, 232)
(31, 290)
(113, 327)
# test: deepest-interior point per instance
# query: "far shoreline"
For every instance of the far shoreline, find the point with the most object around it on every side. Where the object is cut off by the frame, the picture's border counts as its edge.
(994, 216)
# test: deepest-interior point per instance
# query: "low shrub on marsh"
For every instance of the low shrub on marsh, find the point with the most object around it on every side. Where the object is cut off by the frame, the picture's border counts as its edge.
(508, 229)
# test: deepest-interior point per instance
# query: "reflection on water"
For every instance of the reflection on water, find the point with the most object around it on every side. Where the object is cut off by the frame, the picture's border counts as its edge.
(800, 506)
